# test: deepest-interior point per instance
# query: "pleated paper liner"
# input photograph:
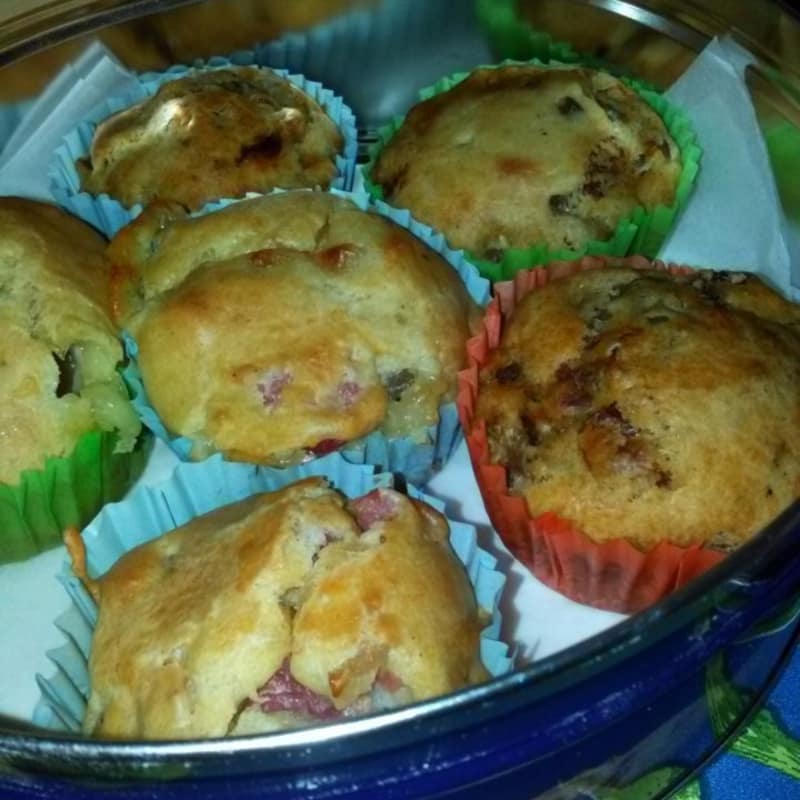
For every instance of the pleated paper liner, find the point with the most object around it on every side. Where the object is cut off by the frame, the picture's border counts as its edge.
(67, 492)
(416, 458)
(195, 489)
(104, 212)
(613, 575)
(641, 232)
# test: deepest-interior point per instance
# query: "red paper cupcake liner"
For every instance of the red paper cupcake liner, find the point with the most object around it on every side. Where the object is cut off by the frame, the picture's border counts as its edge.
(614, 574)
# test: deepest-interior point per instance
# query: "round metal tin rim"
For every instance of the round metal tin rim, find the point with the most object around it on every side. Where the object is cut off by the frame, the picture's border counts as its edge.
(772, 552)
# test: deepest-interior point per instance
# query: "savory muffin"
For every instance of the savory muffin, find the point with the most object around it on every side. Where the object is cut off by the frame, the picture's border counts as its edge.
(222, 26)
(285, 609)
(58, 346)
(176, 36)
(522, 155)
(210, 134)
(289, 324)
(649, 406)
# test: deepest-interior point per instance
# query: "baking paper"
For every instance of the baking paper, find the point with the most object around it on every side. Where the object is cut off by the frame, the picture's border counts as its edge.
(734, 219)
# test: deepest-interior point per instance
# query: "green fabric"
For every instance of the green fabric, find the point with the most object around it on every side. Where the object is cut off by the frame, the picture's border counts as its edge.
(690, 792)
(648, 786)
(763, 741)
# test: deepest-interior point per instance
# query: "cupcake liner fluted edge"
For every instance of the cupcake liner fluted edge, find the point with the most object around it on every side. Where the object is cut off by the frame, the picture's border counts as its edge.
(195, 489)
(641, 232)
(614, 574)
(415, 458)
(66, 492)
(104, 212)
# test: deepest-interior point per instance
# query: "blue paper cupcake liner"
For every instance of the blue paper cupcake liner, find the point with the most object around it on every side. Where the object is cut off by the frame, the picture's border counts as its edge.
(104, 212)
(195, 489)
(415, 459)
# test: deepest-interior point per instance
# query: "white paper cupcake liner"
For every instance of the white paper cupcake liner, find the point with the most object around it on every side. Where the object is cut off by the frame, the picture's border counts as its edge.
(195, 489)
(416, 460)
(104, 212)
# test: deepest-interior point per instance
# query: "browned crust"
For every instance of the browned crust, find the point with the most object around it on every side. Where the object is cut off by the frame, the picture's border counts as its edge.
(650, 407)
(522, 155)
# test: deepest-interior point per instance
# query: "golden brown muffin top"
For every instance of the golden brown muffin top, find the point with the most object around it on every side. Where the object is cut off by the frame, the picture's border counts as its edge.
(58, 346)
(521, 155)
(214, 133)
(289, 322)
(295, 602)
(650, 407)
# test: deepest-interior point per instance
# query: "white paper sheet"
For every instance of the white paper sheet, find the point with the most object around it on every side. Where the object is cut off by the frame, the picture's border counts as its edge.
(79, 87)
(734, 219)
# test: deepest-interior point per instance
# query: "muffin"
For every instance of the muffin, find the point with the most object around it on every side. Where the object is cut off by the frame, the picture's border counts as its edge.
(213, 133)
(282, 610)
(58, 381)
(521, 154)
(222, 26)
(654, 409)
(285, 326)
(177, 36)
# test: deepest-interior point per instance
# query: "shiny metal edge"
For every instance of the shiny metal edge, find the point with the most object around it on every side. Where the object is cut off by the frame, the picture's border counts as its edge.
(679, 31)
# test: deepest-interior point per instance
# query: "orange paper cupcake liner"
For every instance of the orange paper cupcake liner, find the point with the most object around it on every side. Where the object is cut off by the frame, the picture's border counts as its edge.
(614, 574)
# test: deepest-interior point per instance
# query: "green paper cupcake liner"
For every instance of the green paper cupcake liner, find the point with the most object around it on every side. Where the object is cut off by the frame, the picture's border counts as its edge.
(642, 232)
(67, 492)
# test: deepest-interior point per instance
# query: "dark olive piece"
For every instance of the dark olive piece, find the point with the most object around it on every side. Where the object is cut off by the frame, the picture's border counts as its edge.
(569, 106)
(509, 373)
(559, 203)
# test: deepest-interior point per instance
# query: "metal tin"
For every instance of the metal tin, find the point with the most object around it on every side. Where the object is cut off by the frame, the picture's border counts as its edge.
(652, 698)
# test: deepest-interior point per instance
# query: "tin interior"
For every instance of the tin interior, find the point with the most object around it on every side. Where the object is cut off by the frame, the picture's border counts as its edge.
(660, 37)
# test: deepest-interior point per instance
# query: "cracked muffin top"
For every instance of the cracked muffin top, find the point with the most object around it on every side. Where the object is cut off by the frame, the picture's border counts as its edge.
(286, 325)
(213, 134)
(285, 609)
(58, 346)
(521, 155)
(649, 406)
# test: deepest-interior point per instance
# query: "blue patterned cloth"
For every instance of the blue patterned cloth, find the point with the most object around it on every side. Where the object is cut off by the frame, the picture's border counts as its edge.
(768, 766)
